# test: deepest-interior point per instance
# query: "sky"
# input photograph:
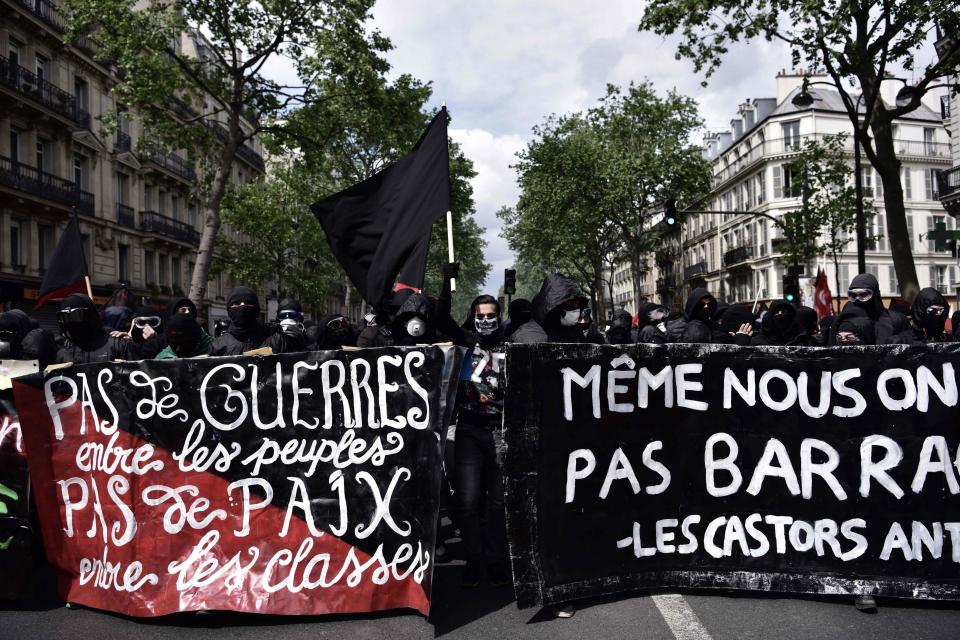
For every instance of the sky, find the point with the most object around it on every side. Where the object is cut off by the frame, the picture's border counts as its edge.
(502, 66)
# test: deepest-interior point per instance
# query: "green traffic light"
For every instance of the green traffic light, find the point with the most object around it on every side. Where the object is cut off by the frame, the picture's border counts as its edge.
(671, 220)
(789, 297)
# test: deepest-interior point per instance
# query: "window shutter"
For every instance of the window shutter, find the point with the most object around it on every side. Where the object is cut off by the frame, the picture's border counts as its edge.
(777, 181)
(882, 231)
(933, 275)
(909, 229)
(879, 184)
(929, 229)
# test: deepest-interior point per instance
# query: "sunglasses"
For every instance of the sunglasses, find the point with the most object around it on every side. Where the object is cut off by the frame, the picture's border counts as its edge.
(486, 316)
(146, 321)
(75, 314)
(863, 295)
(289, 315)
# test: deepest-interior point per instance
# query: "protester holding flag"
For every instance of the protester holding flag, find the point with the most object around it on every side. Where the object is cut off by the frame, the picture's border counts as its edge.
(87, 339)
(246, 332)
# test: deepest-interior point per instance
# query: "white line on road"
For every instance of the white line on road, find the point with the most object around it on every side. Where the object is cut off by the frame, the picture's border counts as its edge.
(681, 619)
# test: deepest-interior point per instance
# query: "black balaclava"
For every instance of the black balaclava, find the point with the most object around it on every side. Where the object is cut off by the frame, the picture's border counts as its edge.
(651, 313)
(183, 334)
(177, 303)
(855, 320)
(619, 331)
(520, 311)
(700, 306)
(807, 320)
(336, 337)
(931, 324)
(779, 320)
(735, 317)
(14, 325)
(144, 312)
(86, 331)
(245, 319)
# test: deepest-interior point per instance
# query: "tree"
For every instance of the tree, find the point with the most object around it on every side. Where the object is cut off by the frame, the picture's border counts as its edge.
(211, 96)
(859, 40)
(288, 247)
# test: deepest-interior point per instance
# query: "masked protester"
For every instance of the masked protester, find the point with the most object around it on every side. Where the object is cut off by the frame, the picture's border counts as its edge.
(290, 334)
(853, 328)
(557, 309)
(864, 293)
(778, 327)
(619, 330)
(185, 338)
(478, 448)
(699, 318)
(22, 339)
(735, 326)
(927, 321)
(652, 323)
(334, 332)
(520, 312)
(86, 338)
(246, 332)
(808, 334)
(146, 331)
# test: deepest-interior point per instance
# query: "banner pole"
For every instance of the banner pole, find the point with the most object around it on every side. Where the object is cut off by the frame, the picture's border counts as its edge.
(450, 258)
(757, 298)
(86, 279)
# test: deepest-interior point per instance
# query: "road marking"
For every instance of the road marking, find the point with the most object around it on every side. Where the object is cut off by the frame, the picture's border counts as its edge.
(681, 619)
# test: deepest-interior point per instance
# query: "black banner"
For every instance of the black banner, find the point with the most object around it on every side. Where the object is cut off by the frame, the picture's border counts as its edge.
(828, 471)
(291, 484)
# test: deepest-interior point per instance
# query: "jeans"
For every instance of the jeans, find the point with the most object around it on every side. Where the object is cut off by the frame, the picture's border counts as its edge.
(479, 494)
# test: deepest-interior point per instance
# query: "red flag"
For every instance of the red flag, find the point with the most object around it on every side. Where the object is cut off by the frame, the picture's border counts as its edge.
(822, 300)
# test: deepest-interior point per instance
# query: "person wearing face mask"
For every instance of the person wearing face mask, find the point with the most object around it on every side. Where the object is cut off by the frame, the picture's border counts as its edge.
(520, 311)
(620, 326)
(185, 338)
(864, 293)
(735, 326)
(334, 332)
(807, 331)
(478, 449)
(146, 331)
(853, 328)
(290, 335)
(777, 328)
(22, 339)
(698, 315)
(246, 332)
(86, 338)
(927, 321)
(557, 310)
(652, 323)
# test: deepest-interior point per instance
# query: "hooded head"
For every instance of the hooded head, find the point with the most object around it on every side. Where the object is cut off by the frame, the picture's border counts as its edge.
(930, 311)
(181, 305)
(864, 292)
(651, 313)
(520, 311)
(243, 307)
(853, 327)
(411, 324)
(183, 334)
(807, 320)
(619, 331)
(735, 317)
(700, 306)
(778, 321)
(483, 319)
(333, 332)
(14, 325)
(559, 303)
(80, 322)
(290, 316)
(145, 316)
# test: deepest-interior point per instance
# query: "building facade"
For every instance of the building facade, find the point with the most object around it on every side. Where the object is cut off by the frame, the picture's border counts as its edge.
(735, 254)
(139, 218)
(948, 182)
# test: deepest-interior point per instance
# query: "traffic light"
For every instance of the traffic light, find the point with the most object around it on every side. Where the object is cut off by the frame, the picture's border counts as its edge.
(509, 281)
(791, 288)
(670, 211)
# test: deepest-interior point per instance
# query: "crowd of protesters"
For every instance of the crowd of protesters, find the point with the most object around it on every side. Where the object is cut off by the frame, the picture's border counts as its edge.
(558, 313)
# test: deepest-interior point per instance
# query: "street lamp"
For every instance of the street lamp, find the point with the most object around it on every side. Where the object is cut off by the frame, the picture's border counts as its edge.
(804, 100)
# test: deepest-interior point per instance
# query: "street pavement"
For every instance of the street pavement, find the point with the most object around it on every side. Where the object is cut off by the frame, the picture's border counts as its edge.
(491, 613)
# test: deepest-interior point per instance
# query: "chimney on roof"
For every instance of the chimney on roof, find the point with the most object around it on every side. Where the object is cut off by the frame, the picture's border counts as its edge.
(747, 115)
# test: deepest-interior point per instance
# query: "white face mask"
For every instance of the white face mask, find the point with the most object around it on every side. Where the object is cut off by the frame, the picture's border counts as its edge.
(416, 327)
(484, 326)
(290, 326)
(570, 318)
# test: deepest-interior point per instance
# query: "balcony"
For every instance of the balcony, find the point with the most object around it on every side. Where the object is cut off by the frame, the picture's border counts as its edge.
(126, 216)
(46, 12)
(27, 84)
(737, 256)
(122, 142)
(41, 184)
(163, 226)
(172, 164)
(948, 186)
(695, 270)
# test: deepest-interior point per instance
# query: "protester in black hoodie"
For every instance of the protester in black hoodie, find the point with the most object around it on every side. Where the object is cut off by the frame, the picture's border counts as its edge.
(853, 327)
(334, 332)
(652, 323)
(520, 311)
(864, 292)
(246, 332)
(736, 326)
(808, 334)
(479, 449)
(777, 328)
(927, 320)
(556, 313)
(147, 331)
(289, 335)
(22, 339)
(698, 315)
(619, 330)
(87, 339)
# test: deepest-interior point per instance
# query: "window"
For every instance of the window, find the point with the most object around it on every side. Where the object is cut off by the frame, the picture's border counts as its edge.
(910, 235)
(929, 146)
(123, 188)
(150, 267)
(43, 66)
(894, 283)
(192, 215)
(148, 197)
(42, 154)
(44, 245)
(161, 201)
(786, 183)
(81, 93)
(791, 135)
(123, 262)
(175, 271)
(905, 179)
(175, 207)
(80, 172)
(13, 52)
(930, 183)
(16, 243)
(866, 181)
(163, 270)
(844, 279)
(879, 229)
(940, 278)
(14, 145)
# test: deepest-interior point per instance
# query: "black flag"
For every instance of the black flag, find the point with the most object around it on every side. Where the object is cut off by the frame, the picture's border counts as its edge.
(379, 229)
(67, 272)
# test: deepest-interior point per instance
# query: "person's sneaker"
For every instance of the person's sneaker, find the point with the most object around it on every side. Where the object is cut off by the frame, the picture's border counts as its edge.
(565, 610)
(499, 576)
(867, 604)
(471, 576)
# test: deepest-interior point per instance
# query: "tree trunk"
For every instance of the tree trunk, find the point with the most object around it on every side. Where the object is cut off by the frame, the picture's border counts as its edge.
(635, 263)
(836, 277)
(888, 166)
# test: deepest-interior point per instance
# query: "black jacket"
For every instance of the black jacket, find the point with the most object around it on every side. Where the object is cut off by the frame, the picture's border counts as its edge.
(780, 331)
(95, 344)
(916, 333)
(545, 325)
(883, 323)
(693, 329)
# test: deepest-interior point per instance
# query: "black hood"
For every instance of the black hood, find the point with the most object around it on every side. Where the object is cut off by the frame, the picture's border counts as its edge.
(874, 307)
(925, 298)
(90, 334)
(619, 331)
(735, 317)
(695, 296)
(621, 319)
(786, 326)
(176, 303)
(327, 339)
(555, 290)
(17, 322)
(807, 320)
(643, 313)
(416, 304)
(855, 320)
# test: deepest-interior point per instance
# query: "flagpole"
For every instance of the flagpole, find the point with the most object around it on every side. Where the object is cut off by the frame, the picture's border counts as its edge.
(89, 288)
(450, 258)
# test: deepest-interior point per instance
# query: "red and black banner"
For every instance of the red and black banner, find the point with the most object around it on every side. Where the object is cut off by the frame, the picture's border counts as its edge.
(290, 484)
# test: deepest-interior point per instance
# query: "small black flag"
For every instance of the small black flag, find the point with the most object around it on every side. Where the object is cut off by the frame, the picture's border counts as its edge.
(379, 229)
(67, 272)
